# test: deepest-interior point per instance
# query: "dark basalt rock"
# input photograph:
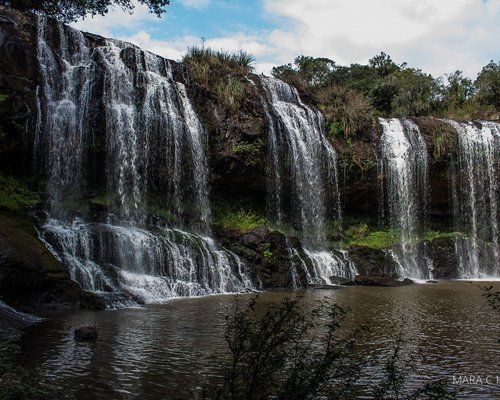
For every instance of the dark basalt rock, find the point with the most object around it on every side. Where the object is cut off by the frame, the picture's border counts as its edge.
(444, 258)
(30, 276)
(86, 334)
(266, 254)
(91, 301)
(380, 280)
(373, 262)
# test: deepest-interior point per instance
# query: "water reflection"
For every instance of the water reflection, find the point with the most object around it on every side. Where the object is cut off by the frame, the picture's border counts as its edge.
(167, 351)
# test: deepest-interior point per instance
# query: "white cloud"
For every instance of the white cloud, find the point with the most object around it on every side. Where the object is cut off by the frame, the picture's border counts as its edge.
(437, 35)
(171, 49)
(116, 18)
(240, 41)
(195, 3)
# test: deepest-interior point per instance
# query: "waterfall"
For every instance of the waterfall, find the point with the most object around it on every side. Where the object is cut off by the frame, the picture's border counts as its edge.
(475, 198)
(404, 167)
(302, 178)
(113, 95)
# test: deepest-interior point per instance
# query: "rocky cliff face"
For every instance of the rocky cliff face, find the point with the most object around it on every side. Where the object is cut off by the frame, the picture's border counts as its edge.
(238, 176)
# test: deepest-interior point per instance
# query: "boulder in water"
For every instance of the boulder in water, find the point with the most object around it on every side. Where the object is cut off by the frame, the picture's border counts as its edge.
(86, 333)
(380, 280)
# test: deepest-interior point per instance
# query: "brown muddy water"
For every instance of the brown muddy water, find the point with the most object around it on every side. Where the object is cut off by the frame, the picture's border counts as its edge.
(168, 351)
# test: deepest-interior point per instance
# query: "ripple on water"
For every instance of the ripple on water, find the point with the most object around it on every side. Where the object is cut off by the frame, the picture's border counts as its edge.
(160, 351)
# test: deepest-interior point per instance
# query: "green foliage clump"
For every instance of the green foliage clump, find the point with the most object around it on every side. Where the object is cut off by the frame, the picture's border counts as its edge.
(266, 250)
(3, 97)
(359, 233)
(376, 240)
(251, 153)
(70, 10)
(491, 296)
(345, 110)
(431, 235)
(241, 220)
(15, 195)
(487, 85)
(352, 95)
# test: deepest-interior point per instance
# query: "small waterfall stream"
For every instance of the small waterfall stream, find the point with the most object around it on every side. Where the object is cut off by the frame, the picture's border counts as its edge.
(475, 198)
(404, 167)
(113, 92)
(302, 179)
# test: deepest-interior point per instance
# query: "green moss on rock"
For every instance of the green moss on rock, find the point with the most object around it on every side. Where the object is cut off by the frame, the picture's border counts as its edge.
(15, 195)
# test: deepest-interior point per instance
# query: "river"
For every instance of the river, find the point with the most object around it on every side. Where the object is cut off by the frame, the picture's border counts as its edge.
(168, 351)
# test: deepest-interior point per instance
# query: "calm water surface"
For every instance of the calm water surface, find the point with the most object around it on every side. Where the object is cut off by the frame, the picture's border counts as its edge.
(167, 351)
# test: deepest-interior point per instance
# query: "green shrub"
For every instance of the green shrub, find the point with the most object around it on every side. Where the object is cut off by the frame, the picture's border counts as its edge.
(241, 220)
(251, 153)
(15, 195)
(266, 250)
(283, 352)
(345, 110)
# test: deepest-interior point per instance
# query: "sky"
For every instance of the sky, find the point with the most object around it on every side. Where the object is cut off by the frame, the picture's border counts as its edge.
(438, 36)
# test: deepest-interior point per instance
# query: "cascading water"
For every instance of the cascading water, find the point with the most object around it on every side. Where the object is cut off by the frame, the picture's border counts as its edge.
(404, 167)
(302, 178)
(475, 199)
(128, 101)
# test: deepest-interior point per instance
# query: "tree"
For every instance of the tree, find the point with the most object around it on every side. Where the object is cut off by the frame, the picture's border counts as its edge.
(306, 72)
(488, 84)
(71, 10)
(458, 90)
(383, 64)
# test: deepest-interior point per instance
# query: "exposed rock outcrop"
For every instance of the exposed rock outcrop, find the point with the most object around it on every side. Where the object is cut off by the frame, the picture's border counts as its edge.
(267, 252)
(30, 276)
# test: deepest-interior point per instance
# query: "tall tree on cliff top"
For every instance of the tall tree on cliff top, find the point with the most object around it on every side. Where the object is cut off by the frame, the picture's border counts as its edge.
(71, 10)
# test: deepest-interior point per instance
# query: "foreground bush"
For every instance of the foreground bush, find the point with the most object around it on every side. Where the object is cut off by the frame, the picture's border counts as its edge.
(287, 351)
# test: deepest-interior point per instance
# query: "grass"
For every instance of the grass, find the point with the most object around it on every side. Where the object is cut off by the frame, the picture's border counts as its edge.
(431, 235)
(222, 72)
(230, 92)
(15, 195)
(162, 213)
(376, 240)
(205, 62)
(240, 220)
(376, 237)
(236, 214)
